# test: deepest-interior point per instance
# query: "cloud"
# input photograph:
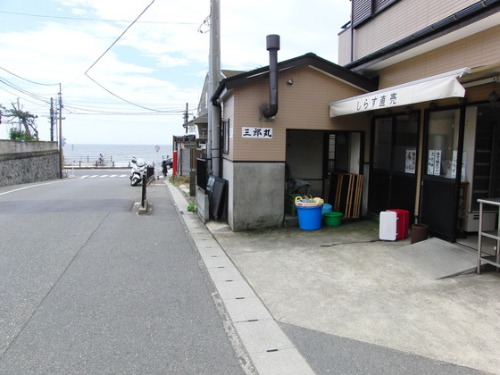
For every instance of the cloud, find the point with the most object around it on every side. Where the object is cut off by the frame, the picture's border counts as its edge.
(160, 62)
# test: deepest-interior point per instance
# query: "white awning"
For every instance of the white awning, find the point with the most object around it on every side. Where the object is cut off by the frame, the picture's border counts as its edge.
(436, 87)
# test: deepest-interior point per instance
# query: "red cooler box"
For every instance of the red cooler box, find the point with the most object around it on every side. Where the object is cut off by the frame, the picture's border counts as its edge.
(403, 222)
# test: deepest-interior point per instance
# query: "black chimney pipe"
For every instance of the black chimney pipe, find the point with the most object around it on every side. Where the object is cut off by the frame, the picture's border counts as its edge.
(273, 46)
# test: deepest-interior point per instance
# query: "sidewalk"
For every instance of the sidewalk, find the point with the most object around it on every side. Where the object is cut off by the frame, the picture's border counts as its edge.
(342, 281)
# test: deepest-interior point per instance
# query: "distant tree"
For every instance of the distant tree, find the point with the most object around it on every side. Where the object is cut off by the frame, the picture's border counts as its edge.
(16, 116)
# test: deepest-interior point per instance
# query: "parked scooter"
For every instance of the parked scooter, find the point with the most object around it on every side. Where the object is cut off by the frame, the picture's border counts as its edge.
(139, 167)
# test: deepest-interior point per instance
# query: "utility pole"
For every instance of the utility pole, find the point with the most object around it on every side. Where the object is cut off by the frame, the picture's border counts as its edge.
(61, 160)
(52, 119)
(19, 109)
(186, 117)
(213, 149)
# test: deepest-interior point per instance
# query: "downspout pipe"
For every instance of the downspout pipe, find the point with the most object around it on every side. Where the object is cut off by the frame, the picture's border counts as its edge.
(273, 46)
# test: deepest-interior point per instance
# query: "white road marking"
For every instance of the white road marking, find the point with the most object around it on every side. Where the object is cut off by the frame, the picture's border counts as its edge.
(103, 176)
(29, 187)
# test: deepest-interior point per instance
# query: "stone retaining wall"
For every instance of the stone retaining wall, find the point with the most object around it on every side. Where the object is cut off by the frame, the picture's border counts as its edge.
(26, 162)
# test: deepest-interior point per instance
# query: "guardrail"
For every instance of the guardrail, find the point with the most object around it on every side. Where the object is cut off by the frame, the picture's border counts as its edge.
(91, 161)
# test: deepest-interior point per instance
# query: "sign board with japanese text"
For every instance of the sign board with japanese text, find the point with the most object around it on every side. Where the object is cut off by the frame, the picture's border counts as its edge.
(263, 133)
(428, 89)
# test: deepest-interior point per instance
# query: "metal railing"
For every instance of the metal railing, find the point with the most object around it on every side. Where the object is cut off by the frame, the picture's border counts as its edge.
(90, 161)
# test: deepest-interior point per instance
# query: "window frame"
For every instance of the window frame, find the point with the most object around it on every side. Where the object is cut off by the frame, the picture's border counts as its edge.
(364, 10)
(226, 125)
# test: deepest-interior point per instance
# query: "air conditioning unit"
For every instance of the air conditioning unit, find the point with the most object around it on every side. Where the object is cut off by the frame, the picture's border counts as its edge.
(489, 221)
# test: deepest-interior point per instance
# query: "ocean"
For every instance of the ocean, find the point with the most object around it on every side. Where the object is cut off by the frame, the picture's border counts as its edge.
(85, 155)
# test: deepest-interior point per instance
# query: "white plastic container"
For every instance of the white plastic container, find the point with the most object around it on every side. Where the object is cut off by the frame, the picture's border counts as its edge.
(388, 226)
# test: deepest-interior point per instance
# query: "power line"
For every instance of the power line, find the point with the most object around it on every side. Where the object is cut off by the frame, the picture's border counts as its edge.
(119, 37)
(95, 19)
(28, 80)
(23, 91)
(142, 114)
(14, 94)
(107, 50)
(111, 111)
(119, 97)
(205, 26)
(101, 109)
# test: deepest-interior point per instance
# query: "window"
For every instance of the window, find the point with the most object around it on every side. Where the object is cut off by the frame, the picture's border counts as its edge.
(442, 143)
(225, 136)
(362, 10)
(395, 143)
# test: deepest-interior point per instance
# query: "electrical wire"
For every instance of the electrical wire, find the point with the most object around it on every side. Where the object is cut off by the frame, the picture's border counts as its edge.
(128, 114)
(89, 111)
(102, 105)
(119, 97)
(28, 80)
(107, 110)
(350, 243)
(119, 37)
(106, 51)
(94, 19)
(205, 26)
(23, 91)
(14, 94)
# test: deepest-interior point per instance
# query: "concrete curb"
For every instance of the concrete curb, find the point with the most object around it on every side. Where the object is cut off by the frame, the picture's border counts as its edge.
(268, 347)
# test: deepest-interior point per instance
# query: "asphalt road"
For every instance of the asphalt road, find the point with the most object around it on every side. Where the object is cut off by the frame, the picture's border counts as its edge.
(87, 286)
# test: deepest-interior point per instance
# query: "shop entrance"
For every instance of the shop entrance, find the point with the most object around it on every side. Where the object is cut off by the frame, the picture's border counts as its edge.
(468, 138)
(443, 153)
(343, 172)
(319, 158)
(393, 180)
(486, 167)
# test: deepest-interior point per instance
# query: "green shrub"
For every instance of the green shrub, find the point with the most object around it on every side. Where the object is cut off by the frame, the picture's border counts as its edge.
(192, 207)
(20, 135)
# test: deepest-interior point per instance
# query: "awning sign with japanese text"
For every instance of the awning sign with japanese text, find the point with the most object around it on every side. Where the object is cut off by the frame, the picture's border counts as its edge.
(432, 88)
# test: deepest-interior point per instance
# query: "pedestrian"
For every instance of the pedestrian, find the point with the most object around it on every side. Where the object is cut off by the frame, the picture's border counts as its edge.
(164, 168)
(99, 161)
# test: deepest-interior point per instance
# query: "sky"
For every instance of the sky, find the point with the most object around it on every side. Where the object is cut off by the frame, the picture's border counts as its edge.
(127, 69)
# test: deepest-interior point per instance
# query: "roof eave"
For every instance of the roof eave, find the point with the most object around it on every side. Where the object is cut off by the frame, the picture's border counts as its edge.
(471, 14)
(309, 59)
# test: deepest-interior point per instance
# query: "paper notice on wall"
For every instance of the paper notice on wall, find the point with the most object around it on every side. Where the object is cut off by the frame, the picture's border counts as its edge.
(454, 163)
(411, 160)
(434, 163)
(430, 162)
(437, 162)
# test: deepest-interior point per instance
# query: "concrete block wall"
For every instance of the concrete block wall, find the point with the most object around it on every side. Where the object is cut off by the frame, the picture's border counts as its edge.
(256, 194)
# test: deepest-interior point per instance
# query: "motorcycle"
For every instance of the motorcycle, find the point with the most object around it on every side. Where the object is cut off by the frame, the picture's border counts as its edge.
(138, 171)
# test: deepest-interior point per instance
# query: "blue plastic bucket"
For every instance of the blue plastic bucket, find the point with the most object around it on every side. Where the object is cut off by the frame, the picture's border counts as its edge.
(309, 217)
(327, 207)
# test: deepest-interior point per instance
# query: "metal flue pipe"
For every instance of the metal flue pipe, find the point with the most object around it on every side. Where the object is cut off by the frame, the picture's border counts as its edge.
(273, 46)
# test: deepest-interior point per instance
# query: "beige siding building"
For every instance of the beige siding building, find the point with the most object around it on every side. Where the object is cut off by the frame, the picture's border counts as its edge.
(412, 113)
(256, 150)
(407, 42)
